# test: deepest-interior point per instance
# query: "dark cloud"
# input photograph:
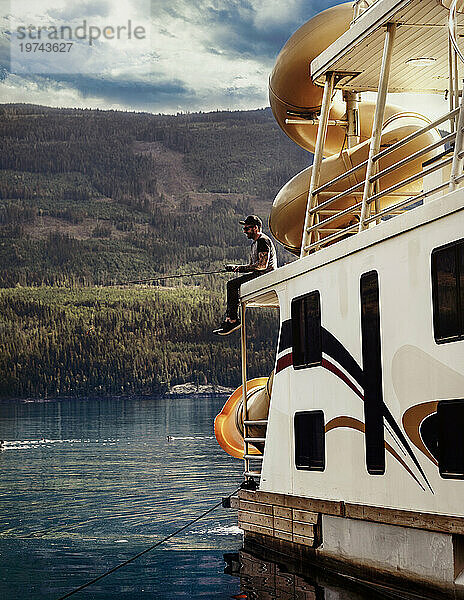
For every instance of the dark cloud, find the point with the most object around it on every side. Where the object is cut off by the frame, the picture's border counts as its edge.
(165, 32)
(4, 53)
(129, 93)
(236, 32)
(156, 96)
(250, 92)
(229, 30)
(214, 51)
(235, 27)
(171, 10)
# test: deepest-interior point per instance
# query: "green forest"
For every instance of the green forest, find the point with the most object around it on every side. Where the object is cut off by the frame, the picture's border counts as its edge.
(113, 341)
(89, 198)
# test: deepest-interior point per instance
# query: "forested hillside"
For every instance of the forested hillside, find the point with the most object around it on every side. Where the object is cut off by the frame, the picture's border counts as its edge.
(91, 197)
(77, 342)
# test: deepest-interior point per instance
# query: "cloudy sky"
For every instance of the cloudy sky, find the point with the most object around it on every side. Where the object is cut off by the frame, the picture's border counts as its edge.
(187, 55)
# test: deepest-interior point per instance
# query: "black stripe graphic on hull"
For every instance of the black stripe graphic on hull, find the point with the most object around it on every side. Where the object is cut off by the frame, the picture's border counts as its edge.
(429, 433)
(372, 369)
(335, 349)
(285, 340)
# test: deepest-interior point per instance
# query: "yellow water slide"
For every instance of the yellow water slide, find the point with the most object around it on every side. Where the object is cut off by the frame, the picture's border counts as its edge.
(292, 92)
(228, 425)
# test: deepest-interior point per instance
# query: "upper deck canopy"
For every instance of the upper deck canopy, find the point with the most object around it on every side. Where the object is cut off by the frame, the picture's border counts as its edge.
(422, 33)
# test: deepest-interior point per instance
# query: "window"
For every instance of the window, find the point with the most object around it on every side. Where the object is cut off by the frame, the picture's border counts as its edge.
(372, 369)
(448, 292)
(306, 331)
(310, 440)
(451, 439)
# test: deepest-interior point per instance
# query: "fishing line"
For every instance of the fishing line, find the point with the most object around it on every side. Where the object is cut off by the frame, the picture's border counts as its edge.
(149, 280)
(52, 530)
(129, 560)
(153, 279)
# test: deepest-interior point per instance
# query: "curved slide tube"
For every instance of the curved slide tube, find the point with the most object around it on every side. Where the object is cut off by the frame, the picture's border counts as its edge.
(228, 425)
(288, 211)
(291, 91)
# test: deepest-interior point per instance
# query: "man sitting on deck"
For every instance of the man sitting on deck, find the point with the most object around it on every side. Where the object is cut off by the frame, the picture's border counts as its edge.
(263, 259)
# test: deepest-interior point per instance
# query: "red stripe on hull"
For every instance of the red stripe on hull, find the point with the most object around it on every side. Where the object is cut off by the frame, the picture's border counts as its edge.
(330, 367)
(284, 362)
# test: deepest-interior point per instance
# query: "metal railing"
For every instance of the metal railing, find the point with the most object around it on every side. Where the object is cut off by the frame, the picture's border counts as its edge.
(360, 7)
(252, 469)
(452, 28)
(395, 208)
(320, 211)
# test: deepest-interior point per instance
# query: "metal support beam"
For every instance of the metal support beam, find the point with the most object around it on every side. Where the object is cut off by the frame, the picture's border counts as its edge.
(378, 118)
(352, 115)
(337, 122)
(318, 155)
(456, 80)
(451, 83)
(456, 166)
(246, 449)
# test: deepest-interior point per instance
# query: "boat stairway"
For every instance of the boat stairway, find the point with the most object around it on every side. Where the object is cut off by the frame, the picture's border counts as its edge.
(241, 426)
(253, 461)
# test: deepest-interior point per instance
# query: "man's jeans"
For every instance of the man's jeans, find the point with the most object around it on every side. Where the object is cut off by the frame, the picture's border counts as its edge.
(233, 287)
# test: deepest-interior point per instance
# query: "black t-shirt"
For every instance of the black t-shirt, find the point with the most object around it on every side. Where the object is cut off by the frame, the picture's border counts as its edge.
(264, 244)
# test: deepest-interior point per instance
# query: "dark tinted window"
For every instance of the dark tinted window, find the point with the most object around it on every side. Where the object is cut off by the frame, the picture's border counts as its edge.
(448, 292)
(306, 331)
(451, 438)
(310, 440)
(372, 368)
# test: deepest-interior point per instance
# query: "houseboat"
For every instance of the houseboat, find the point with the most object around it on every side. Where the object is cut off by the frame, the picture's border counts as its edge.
(354, 446)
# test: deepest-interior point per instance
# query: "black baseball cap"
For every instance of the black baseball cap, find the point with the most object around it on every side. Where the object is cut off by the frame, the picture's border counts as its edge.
(252, 220)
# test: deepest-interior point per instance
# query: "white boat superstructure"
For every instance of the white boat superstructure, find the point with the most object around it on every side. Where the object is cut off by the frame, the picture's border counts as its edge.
(359, 454)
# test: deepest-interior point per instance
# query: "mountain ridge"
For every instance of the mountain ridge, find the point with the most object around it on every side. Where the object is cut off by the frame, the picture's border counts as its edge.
(126, 180)
(89, 198)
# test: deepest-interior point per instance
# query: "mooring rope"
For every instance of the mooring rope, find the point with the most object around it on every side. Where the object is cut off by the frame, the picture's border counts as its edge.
(129, 560)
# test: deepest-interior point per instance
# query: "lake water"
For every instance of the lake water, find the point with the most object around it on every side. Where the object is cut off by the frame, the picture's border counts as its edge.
(86, 484)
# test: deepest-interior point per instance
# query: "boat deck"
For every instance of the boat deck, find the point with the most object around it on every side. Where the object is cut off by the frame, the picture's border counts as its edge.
(422, 34)
(259, 292)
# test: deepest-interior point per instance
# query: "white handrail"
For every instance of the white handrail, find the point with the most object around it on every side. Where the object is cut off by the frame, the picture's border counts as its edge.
(315, 226)
(321, 225)
(452, 29)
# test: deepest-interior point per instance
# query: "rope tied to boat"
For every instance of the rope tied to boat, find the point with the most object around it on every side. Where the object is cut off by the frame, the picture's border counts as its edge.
(165, 539)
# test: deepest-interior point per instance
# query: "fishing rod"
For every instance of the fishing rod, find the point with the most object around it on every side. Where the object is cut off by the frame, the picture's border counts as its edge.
(226, 269)
(153, 279)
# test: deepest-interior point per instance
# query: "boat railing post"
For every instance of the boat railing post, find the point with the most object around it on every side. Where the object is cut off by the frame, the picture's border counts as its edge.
(456, 81)
(352, 114)
(451, 83)
(456, 165)
(317, 161)
(378, 119)
(244, 390)
(359, 6)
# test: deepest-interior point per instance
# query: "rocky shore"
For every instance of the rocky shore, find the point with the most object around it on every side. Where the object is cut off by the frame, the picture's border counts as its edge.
(193, 390)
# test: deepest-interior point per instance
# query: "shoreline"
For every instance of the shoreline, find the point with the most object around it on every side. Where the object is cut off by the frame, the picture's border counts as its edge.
(169, 396)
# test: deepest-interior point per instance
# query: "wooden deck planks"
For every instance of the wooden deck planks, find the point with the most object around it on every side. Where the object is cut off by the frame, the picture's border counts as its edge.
(308, 511)
(258, 514)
